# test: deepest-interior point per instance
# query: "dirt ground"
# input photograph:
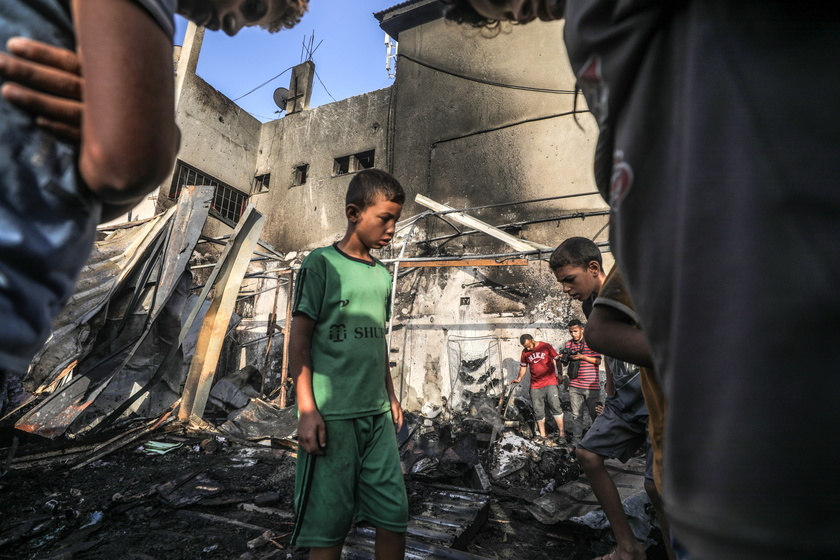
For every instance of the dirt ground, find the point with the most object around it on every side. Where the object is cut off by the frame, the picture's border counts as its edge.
(214, 501)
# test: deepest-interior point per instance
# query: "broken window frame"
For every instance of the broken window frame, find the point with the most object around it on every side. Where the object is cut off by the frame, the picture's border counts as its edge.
(262, 183)
(246, 306)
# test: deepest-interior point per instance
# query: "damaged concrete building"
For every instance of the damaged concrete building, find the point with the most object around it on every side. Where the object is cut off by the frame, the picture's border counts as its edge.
(475, 118)
(494, 148)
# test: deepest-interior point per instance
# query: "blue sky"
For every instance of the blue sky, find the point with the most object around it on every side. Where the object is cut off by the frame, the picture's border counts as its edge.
(350, 60)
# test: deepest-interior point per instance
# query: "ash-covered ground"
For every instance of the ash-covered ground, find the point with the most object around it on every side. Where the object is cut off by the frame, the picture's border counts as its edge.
(213, 498)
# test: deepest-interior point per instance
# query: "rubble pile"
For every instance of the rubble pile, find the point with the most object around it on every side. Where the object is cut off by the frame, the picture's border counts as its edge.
(145, 438)
(539, 502)
(472, 492)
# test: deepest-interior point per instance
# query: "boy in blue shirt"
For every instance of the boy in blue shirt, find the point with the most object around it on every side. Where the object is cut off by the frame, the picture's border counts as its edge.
(348, 462)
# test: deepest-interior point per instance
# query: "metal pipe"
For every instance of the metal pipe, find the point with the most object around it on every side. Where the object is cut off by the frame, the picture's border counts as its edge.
(269, 331)
(284, 375)
(499, 204)
(513, 225)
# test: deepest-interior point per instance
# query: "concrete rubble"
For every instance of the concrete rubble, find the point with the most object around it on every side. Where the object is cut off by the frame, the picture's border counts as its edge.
(148, 436)
(235, 494)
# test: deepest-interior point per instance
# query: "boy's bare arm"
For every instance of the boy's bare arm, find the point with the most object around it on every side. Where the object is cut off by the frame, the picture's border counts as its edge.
(129, 137)
(46, 81)
(396, 409)
(312, 432)
(609, 332)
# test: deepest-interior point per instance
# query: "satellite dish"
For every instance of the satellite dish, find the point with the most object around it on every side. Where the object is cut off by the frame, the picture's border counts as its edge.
(281, 95)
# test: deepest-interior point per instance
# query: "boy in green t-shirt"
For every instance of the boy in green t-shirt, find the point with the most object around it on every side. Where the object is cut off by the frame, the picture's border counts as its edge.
(339, 360)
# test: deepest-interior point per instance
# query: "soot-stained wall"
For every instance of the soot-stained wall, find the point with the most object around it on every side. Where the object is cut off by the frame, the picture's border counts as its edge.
(300, 216)
(457, 141)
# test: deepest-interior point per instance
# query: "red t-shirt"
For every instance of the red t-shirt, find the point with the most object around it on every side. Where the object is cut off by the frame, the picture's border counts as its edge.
(540, 360)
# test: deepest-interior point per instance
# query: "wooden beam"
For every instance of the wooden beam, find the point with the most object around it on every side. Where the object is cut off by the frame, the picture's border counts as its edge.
(464, 262)
(236, 257)
(475, 223)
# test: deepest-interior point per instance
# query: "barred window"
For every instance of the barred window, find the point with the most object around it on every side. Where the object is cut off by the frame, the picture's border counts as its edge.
(228, 203)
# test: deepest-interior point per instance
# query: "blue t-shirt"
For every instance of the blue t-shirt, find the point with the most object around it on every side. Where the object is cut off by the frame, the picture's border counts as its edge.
(48, 217)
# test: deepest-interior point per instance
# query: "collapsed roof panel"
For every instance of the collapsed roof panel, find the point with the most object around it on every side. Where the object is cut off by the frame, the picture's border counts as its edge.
(111, 260)
(153, 264)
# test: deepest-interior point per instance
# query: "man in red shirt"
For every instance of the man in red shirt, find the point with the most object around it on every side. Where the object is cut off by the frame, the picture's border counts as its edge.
(539, 358)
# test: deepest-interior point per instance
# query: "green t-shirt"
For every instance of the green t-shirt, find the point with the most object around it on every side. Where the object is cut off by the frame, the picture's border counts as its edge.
(349, 299)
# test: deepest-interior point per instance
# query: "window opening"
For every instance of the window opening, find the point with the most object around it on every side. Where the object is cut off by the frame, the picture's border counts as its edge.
(364, 160)
(301, 171)
(353, 163)
(341, 165)
(261, 183)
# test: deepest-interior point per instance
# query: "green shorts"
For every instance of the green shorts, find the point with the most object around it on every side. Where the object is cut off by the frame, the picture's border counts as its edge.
(360, 477)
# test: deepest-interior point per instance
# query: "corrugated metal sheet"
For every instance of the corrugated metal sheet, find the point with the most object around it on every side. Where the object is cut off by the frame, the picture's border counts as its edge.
(107, 265)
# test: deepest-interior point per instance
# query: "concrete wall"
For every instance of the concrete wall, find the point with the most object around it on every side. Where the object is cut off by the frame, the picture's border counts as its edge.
(312, 214)
(223, 140)
(470, 144)
(456, 141)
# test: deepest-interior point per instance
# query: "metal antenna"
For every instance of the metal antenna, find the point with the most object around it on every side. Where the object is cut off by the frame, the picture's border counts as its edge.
(308, 50)
(312, 53)
(302, 49)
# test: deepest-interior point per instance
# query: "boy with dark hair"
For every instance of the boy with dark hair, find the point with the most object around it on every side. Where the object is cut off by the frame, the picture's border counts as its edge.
(585, 388)
(614, 330)
(348, 464)
(539, 358)
(620, 429)
(368, 186)
(578, 266)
